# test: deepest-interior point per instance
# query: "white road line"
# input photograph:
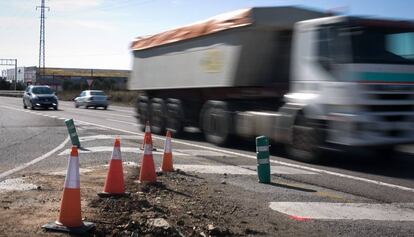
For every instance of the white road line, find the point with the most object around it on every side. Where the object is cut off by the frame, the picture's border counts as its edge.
(109, 137)
(97, 149)
(346, 211)
(118, 115)
(132, 113)
(281, 170)
(34, 161)
(120, 121)
(234, 169)
(321, 171)
(125, 111)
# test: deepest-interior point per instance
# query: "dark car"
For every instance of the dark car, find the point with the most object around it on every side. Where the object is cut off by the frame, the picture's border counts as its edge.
(40, 97)
(92, 98)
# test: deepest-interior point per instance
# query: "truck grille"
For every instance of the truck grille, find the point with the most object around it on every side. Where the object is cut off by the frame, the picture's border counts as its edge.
(392, 106)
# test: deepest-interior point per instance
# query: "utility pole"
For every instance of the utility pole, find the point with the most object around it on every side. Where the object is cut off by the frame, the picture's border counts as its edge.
(42, 37)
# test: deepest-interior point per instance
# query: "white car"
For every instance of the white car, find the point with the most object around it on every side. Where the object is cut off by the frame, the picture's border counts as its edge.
(92, 98)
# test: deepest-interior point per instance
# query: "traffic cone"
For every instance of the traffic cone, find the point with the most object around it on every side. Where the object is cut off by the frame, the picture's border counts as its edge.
(114, 183)
(147, 131)
(147, 173)
(70, 219)
(167, 159)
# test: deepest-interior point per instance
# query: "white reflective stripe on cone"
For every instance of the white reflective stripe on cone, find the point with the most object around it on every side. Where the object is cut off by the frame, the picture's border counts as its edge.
(147, 129)
(116, 154)
(167, 145)
(72, 179)
(148, 149)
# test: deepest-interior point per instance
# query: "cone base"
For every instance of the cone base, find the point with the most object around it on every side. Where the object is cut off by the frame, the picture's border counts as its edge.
(106, 195)
(55, 226)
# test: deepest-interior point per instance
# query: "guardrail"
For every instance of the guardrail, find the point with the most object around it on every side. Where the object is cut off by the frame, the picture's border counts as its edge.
(11, 93)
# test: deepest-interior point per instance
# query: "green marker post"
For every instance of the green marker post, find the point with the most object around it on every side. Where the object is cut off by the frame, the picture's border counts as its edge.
(263, 164)
(72, 132)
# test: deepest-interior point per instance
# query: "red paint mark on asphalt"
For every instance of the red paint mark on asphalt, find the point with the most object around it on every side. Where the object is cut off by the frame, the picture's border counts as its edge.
(299, 218)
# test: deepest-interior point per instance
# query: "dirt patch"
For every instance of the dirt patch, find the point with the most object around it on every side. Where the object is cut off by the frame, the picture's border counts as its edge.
(179, 204)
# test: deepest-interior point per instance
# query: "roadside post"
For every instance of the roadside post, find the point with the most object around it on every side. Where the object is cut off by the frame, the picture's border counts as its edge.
(263, 164)
(72, 132)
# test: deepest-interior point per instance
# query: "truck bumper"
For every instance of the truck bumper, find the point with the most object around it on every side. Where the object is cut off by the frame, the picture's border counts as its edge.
(354, 130)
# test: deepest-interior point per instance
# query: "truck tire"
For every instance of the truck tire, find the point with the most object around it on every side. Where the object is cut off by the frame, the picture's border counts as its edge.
(216, 122)
(174, 117)
(306, 141)
(158, 111)
(143, 114)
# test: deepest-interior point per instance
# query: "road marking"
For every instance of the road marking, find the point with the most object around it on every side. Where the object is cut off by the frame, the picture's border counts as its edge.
(34, 161)
(120, 121)
(234, 169)
(125, 111)
(118, 115)
(281, 170)
(346, 211)
(109, 137)
(321, 171)
(201, 153)
(96, 149)
(272, 161)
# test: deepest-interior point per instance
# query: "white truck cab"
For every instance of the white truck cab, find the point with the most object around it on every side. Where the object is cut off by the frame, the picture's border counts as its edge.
(354, 79)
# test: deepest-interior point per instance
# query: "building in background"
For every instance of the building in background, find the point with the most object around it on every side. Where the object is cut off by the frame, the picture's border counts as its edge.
(10, 75)
(70, 78)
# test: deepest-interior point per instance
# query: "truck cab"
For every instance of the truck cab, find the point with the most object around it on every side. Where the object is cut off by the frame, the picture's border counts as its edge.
(353, 81)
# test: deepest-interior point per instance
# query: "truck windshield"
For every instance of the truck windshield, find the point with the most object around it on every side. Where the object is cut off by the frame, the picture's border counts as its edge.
(359, 42)
(382, 45)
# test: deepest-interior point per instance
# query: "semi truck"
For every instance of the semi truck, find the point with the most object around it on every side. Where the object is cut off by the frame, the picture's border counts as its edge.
(304, 78)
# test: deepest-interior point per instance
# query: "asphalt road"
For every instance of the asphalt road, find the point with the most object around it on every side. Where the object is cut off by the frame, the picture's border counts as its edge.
(389, 181)
(26, 135)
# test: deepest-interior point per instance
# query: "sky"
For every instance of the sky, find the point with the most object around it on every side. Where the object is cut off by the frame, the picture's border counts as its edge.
(98, 33)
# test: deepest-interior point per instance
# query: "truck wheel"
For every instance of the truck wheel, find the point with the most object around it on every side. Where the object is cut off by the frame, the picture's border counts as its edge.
(143, 112)
(216, 122)
(158, 116)
(174, 117)
(306, 141)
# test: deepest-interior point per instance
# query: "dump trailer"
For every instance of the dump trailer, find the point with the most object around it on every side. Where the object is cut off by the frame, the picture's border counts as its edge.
(301, 77)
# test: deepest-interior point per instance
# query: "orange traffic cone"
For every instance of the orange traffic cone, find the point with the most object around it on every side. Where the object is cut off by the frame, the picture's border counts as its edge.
(167, 160)
(70, 219)
(146, 133)
(114, 183)
(147, 173)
